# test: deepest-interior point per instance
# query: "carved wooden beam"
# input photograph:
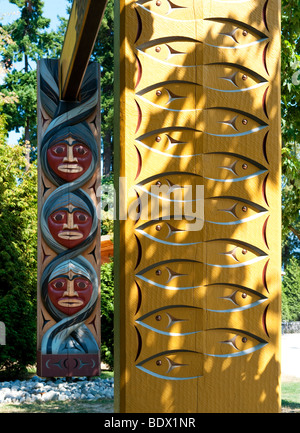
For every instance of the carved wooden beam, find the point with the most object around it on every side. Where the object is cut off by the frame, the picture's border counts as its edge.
(82, 31)
(69, 260)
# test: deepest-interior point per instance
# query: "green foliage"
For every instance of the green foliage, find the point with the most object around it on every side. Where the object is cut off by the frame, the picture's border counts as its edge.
(30, 41)
(291, 291)
(290, 245)
(107, 313)
(23, 113)
(18, 239)
(104, 54)
(28, 32)
(290, 100)
(107, 205)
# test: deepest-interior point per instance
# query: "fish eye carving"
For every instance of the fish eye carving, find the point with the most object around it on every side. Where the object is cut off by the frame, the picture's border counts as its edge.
(225, 122)
(170, 186)
(232, 210)
(161, 7)
(230, 33)
(234, 253)
(174, 231)
(229, 343)
(230, 167)
(176, 142)
(173, 320)
(171, 274)
(228, 298)
(173, 50)
(174, 365)
(231, 77)
(170, 95)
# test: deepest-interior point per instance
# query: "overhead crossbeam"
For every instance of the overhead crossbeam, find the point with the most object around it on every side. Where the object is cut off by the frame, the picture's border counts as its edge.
(81, 34)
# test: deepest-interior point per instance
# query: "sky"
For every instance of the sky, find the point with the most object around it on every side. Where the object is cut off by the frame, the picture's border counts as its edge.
(52, 8)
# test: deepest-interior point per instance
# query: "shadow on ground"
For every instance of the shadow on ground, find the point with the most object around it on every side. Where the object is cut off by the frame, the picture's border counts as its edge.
(71, 406)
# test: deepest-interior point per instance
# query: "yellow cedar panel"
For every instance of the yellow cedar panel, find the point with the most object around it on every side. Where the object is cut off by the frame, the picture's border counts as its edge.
(199, 304)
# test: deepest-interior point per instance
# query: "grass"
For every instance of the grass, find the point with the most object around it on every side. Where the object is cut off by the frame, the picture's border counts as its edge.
(82, 406)
(290, 396)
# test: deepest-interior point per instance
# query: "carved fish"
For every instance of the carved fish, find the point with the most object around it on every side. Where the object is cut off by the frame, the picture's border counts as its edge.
(172, 95)
(184, 230)
(170, 8)
(214, 121)
(232, 34)
(230, 167)
(228, 210)
(230, 343)
(185, 95)
(174, 320)
(231, 77)
(180, 320)
(225, 122)
(173, 186)
(183, 274)
(187, 364)
(174, 231)
(187, 187)
(229, 298)
(175, 142)
(173, 274)
(167, 8)
(225, 33)
(174, 365)
(173, 50)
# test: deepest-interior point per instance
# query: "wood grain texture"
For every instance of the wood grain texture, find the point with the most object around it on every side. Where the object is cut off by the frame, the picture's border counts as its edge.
(198, 300)
(81, 33)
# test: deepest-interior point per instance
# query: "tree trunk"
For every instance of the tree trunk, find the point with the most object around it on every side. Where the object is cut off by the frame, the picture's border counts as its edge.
(296, 233)
(27, 144)
(107, 154)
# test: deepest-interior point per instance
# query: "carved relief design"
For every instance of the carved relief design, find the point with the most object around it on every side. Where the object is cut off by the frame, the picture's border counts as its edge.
(201, 88)
(180, 51)
(69, 278)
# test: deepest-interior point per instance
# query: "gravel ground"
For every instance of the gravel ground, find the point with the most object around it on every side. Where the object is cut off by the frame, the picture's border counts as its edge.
(41, 390)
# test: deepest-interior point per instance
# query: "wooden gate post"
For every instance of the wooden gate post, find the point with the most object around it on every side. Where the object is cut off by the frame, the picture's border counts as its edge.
(198, 140)
(69, 260)
(69, 229)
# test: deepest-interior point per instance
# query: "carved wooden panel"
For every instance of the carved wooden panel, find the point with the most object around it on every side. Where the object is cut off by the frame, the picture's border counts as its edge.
(69, 237)
(199, 253)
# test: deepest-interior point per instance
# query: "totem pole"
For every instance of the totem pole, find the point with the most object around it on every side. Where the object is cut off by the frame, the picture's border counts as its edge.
(198, 280)
(69, 189)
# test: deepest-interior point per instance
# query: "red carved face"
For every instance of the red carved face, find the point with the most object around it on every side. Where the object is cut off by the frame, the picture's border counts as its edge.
(70, 293)
(70, 226)
(69, 159)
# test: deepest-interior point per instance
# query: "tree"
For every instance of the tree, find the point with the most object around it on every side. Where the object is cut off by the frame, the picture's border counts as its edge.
(290, 105)
(290, 245)
(18, 239)
(31, 41)
(291, 291)
(104, 54)
(107, 313)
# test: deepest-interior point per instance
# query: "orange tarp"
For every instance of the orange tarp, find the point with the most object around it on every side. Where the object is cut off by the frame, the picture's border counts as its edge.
(107, 249)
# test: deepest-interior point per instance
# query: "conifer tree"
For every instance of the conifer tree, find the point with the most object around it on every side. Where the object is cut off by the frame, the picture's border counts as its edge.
(31, 41)
(291, 291)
